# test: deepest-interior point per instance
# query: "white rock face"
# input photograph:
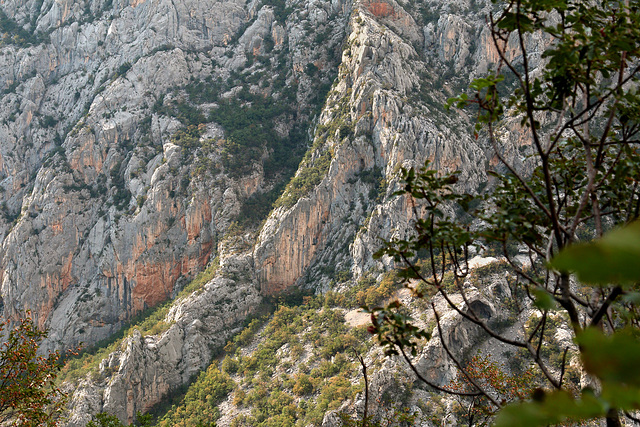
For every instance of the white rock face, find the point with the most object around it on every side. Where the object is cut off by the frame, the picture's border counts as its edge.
(103, 214)
(108, 209)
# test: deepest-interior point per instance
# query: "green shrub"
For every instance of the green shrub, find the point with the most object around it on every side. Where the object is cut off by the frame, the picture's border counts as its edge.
(303, 385)
(308, 177)
(229, 365)
(199, 405)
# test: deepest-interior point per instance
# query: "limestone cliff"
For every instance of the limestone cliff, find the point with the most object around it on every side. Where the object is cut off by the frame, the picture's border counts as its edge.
(146, 368)
(135, 135)
(116, 180)
(383, 112)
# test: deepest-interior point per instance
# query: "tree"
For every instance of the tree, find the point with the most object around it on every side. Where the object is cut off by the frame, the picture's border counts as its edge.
(29, 394)
(107, 420)
(579, 108)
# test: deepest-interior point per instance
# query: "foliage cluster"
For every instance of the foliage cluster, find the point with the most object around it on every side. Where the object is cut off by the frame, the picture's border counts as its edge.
(199, 406)
(256, 207)
(104, 419)
(280, 9)
(492, 376)
(321, 382)
(340, 124)
(249, 121)
(203, 91)
(316, 161)
(249, 125)
(309, 175)
(367, 291)
(244, 337)
(29, 395)
(187, 113)
(201, 279)
(299, 368)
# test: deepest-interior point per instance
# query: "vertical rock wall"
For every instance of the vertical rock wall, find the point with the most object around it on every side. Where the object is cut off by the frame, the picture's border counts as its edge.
(105, 213)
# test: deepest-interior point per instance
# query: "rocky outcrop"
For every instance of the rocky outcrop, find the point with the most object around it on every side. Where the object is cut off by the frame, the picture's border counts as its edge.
(118, 185)
(374, 128)
(146, 368)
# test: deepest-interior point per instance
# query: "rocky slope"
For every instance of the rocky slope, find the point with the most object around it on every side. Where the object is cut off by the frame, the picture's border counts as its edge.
(299, 366)
(375, 121)
(110, 200)
(136, 135)
(145, 368)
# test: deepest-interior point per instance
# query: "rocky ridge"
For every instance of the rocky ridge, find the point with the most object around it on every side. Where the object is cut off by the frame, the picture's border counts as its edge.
(370, 128)
(107, 200)
(122, 168)
(146, 368)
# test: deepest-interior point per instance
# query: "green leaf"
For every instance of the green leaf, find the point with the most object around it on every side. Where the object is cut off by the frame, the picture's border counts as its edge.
(621, 396)
(544, 300)
(631, 298)
(551, 408)
(612, 358)
(615, 258)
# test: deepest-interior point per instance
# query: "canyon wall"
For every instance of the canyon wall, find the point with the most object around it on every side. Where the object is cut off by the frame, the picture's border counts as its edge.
(140, 140)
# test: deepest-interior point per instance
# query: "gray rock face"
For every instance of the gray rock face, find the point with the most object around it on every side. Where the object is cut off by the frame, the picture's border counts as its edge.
(117, 173)
(375, 125)
(93, 230)
(105, 213)
(146, 368)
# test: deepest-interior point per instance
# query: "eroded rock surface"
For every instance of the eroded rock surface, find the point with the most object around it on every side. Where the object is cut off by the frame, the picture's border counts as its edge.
(122, 169)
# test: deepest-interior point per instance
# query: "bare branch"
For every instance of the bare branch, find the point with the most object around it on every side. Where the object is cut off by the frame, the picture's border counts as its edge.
(597, 317)
(365, 416)
(456, 362)
(431, 384)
